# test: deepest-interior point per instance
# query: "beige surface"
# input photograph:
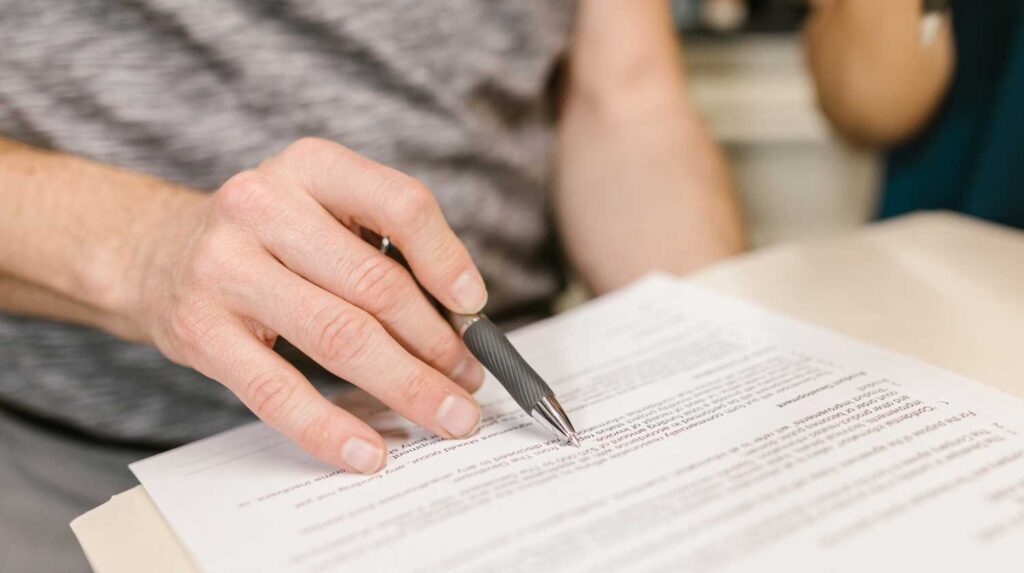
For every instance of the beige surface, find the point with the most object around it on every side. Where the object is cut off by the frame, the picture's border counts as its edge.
(939, 287)
(128, 534)
(942, 288)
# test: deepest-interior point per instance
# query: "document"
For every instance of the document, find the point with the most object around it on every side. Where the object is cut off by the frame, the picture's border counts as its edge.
(716, 436)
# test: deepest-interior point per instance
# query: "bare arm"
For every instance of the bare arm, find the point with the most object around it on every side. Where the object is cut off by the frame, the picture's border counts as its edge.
(72, 232)
(877, 81)
(641, 186)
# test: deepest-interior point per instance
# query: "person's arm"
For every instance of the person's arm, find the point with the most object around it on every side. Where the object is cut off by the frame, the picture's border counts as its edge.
(213, 279)
(23, 298)
(877, 80)
(70, 231)
(640, 184)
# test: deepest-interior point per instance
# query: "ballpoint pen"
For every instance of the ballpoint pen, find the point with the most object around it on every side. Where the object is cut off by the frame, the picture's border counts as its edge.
(492, 348)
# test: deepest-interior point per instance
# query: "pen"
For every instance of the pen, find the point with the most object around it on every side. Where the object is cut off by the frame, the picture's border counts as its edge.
(492, 348)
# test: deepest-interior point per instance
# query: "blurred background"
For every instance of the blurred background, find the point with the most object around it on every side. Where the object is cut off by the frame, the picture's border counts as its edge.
(748, 77)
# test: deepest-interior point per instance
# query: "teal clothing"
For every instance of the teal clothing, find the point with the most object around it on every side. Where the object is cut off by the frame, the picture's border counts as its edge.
(971, 158)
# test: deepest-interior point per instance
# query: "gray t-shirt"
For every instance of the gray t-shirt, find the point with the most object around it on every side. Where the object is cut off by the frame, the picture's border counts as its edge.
(454, 92)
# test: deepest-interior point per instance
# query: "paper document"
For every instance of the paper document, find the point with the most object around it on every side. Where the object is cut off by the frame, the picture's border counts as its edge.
(716, 436)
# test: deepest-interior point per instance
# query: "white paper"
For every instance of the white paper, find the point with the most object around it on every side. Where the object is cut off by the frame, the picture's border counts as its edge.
(715, 437)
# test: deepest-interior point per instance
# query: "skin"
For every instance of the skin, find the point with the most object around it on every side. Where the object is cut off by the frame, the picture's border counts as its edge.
(212, 279)
(641, 185)
(877, 82)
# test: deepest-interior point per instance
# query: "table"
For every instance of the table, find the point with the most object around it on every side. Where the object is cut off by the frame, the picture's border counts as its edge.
(940, 287)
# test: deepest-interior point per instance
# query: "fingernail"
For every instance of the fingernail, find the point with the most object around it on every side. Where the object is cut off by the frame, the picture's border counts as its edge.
(458, 416)
(469, 292)
(363, 456)
(469, 374)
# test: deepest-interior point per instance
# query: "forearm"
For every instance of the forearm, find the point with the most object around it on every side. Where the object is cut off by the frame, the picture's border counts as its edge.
(19, 297)
(71, 233)
(641, 186)
(877, 81)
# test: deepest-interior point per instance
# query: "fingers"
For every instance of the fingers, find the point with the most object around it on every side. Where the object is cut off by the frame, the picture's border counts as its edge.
(276, 392)
(350, 343)
(329, 290)
(357, 190)
(316, 246)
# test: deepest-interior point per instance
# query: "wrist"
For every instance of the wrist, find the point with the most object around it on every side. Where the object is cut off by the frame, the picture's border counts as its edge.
(76, 236)
(130, 277)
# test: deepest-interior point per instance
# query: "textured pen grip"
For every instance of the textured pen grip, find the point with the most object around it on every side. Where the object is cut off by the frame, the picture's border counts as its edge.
(496, 353)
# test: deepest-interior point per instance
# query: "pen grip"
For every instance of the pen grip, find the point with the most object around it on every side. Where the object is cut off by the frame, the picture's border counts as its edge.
(492, 348)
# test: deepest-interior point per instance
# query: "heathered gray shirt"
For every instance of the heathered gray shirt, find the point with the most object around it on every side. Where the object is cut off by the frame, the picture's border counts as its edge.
(454, 92)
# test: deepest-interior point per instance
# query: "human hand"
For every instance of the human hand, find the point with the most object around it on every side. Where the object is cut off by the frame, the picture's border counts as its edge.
(276, 252)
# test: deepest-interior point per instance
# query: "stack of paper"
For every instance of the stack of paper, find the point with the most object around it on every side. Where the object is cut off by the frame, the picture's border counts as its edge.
(715, 437)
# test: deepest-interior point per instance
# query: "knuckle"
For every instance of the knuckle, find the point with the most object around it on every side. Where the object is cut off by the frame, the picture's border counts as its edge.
(415, 389)
(342, 334)
(306, 156)
(441, 350)
(247, 195)
(378, 283)
(190, 324)
(411, 203)
(308, 145)
(269, 395)
(316, 431)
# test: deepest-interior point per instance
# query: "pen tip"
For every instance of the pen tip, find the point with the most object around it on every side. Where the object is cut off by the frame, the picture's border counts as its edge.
(575, 441)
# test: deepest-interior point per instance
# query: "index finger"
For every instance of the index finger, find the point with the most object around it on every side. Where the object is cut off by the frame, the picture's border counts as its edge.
(359, 191)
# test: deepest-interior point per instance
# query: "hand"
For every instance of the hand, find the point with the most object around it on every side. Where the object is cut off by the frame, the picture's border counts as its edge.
(275, 251)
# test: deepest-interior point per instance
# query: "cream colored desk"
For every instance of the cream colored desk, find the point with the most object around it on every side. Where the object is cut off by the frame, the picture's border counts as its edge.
(942, 288)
